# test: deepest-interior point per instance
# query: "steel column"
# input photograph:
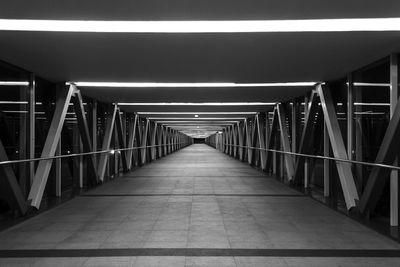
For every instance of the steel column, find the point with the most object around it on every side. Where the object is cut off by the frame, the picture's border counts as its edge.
(50, 146)
(289, 163)
(305, 140)
(132, 124)
(84, 132)
(261, 140)
(339, 150)
(121, 139)
(106, 143)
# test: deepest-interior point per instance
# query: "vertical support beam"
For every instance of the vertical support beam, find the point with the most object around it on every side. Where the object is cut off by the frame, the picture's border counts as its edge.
(394, 175)
(80, 164)
(153, 141)
(58, 170)
(295, 124)
(159, 138)
(350, 113)
(387, 153)
(132, 124)
(165, 139)
(31, 126)
(84, 133)
(271, 156)
(326, 163)
(289, 163)
(121, 139)
(93, 114)
(106, 143)
(50, 146)
(305, 141)
(307, 107)
(261, 140)
(339, 150)
(234, 134)
(249, 142)
(144, 141)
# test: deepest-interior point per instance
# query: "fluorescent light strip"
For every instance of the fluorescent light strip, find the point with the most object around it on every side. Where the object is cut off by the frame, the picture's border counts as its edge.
(14, 83)
(203, 26)
(176, 123)
(199, 104)
(197, 113)
(21, 111)
(195, 119)
(371, 84)
(371, 104)
(175, 85)
(17, 103)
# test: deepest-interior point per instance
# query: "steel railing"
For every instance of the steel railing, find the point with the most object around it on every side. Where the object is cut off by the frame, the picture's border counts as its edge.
(84, 154)
(322, 157)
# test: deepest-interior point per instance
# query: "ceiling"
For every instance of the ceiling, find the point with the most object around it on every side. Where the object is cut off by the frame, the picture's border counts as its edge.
(234, 57)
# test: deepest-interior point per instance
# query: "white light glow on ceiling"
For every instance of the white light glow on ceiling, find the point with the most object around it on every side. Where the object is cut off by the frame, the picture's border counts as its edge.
(197, 104)
(370, 84)
(371, 104)
(191, 123)
(203, 26)
(200, 113)
(197, 119)
(183, 85)
(14, 83)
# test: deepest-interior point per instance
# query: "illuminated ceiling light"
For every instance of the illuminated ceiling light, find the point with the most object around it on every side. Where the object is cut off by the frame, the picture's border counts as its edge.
(198, 104)
(371, 104)
(201, 113)
(175, 85)
(14, 83)
(196, 116)
(370, 84)
(204, 26)
(196, 119)
(21, 111)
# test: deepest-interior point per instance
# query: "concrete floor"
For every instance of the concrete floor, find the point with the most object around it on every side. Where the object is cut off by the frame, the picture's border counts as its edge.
(196, 207)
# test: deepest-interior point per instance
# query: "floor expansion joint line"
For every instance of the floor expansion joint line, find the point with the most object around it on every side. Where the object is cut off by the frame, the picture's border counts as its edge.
(216, 195)
(200, 252)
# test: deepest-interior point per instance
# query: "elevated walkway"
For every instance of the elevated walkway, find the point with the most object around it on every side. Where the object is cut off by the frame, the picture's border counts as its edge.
(196, 207)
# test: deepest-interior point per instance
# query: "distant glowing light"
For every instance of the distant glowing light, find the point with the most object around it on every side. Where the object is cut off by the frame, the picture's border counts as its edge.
(203, 26)
(196, 116)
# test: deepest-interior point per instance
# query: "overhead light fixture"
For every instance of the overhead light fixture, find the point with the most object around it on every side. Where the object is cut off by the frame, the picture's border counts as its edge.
(371, 104)
(370, 84)
(196, 116)
(196, 119)
(201, 113)
(14, 83)
(17, 103)
(203, 26)
(197, 104)
(183, 85)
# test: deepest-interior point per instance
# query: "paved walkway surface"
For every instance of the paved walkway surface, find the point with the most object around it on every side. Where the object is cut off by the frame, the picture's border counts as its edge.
(196, 207)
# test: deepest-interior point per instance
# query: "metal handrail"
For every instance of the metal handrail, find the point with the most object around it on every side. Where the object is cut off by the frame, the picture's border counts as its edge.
(81, 154)
(323, 157)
